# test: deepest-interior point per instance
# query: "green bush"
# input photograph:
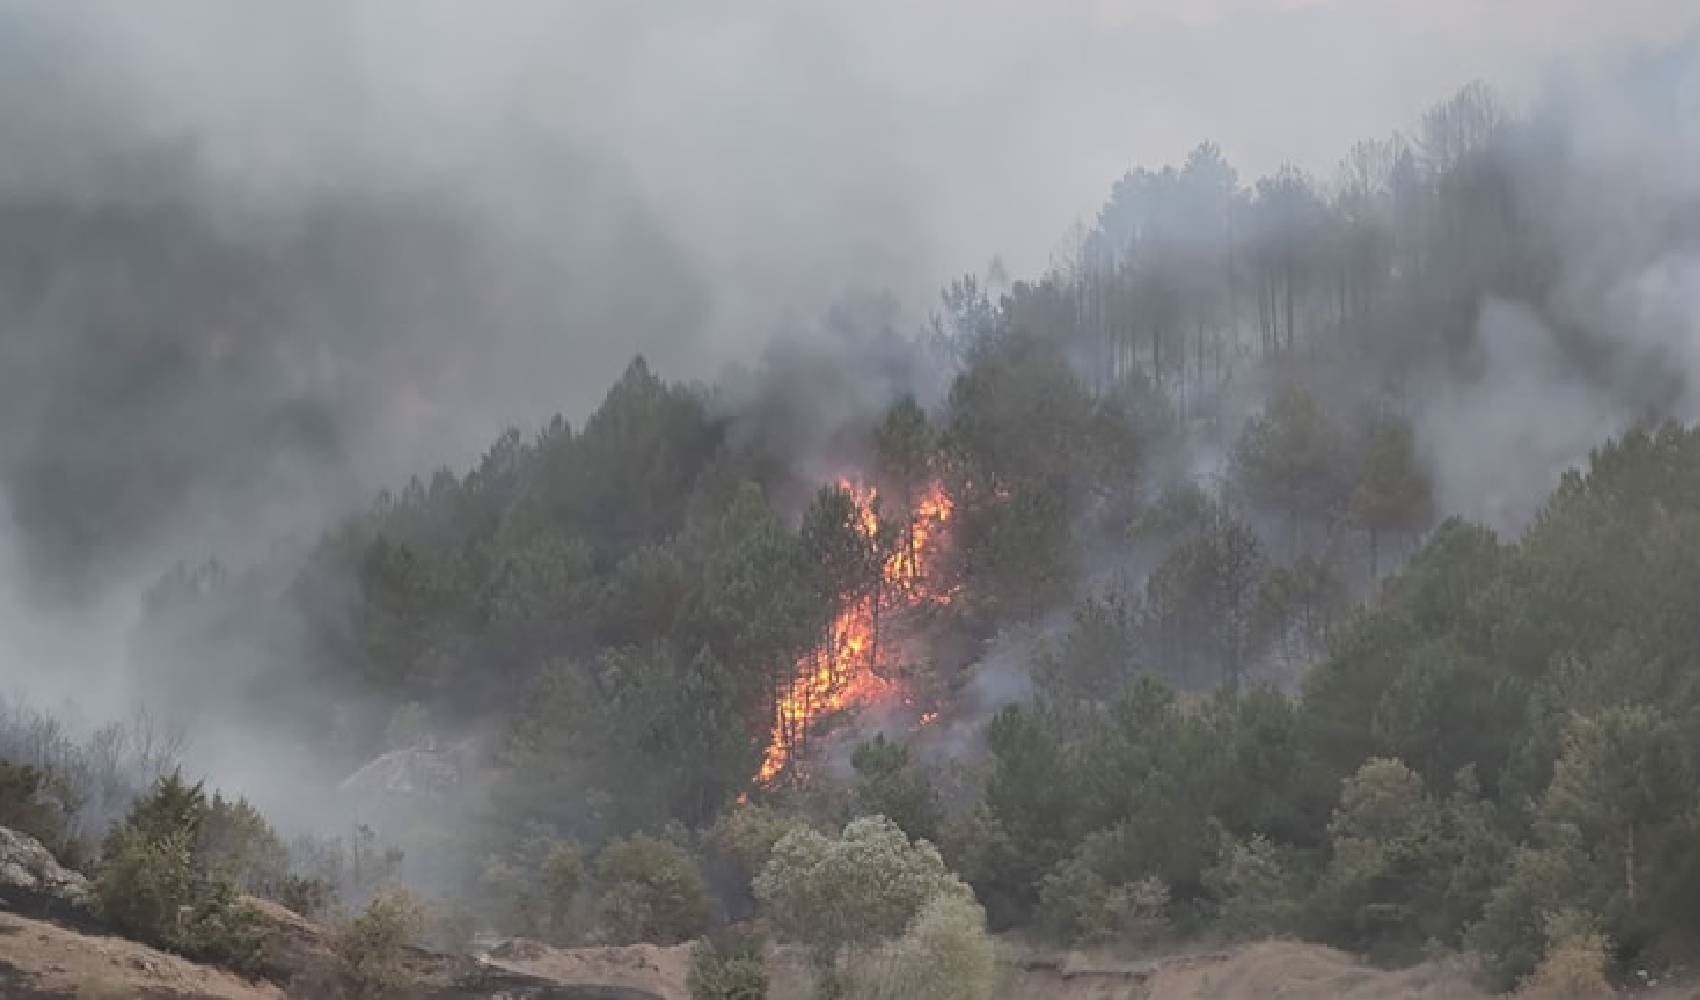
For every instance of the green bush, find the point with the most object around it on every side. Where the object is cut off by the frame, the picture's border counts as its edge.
(1256, 892)
(851, 893)
(945, 954)
(729, 966)
(237, 842)
(24, 808)
(371, 950)
(152, 884)
(651, 892)
(1099, 894)
(745, 836)
(530, 890)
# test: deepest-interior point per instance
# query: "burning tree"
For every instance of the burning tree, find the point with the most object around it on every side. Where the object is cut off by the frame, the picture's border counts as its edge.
(870, 567)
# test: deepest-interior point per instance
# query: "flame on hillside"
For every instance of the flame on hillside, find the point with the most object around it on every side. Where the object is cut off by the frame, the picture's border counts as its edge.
(844, 672)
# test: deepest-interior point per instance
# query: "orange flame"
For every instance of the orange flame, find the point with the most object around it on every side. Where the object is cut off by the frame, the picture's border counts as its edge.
(842, 673)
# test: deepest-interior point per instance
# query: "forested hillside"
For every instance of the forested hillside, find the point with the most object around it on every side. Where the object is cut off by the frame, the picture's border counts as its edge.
(1155, 620)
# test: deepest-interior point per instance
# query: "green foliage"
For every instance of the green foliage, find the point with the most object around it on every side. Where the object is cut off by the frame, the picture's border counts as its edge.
(1027, 443)
(1291, 458)
(651, 891)
(24, 808)
(730, 965)
(945, 953)
(154, 882)
(1383, 838)
(853, 891)
(1511, 936)
(238, 843)
(890, 784)
(371, 950)
(1256, 889)
(1393, 493)
(1202, 603)
(531, 890)
(1102, 893)
(745, 835)
(1097, 656)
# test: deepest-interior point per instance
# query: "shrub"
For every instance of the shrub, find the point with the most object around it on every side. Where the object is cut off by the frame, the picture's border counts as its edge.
(1514, 933)
(890, 784)
(746, 834)
(651, 892)
(729, 966)
(1573, 969)
(1256, 893)
(1098, 894)
(858, 890)
(236, 841)
(370, 951)
(154, 886)
(24, 808)
(945, 954)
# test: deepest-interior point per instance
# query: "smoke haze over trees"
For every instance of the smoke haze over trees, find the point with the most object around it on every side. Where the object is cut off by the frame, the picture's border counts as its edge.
(1299, 544)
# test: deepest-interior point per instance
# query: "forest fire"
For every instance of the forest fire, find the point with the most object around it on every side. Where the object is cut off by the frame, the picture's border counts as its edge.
(844, 671)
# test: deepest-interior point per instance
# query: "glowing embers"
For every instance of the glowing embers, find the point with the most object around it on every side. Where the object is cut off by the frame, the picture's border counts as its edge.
(844, 671)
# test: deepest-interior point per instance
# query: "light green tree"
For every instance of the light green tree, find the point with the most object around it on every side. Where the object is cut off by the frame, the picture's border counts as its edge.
(852, 892)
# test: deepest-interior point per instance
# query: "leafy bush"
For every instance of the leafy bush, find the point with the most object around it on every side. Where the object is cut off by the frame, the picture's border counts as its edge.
(304, 894)
(651, 892)
(945, 954)
(890, 784)
(1574, 967)
(238, 842)
(729, 966)
(855, 891)
(24, 808)
(154, 885)
(1256, 892)
(1097, 895)
(530, 890)
(370, 950)
(745, 835)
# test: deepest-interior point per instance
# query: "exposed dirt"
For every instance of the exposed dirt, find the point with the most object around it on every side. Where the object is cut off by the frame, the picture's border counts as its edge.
(1284, 970)
(655, 970)
(43, 961)
(1267, 971)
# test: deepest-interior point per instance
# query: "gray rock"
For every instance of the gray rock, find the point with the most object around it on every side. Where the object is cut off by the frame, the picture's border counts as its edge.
(34, 883)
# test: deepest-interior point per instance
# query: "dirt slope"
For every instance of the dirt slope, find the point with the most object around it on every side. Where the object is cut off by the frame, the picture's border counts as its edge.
(1266, 971)
(654, 970)
(43, 961)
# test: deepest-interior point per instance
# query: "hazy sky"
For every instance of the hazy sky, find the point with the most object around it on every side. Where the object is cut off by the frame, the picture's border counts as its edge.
(795, 146)
(675, 177)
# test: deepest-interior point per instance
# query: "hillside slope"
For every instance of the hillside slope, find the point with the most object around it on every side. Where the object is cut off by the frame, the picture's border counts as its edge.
(44, 961)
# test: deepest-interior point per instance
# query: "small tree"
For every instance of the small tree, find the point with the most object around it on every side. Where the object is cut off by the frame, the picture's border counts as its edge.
(651, 892)
(24, 809)
(855, 891)
(238, 842)
(945, 954)
(1575, 964)
(154, 882)
(1256, 892)
(745, 835)
(371, 949)
(890, 784)
(1383, 837)
(729, 966)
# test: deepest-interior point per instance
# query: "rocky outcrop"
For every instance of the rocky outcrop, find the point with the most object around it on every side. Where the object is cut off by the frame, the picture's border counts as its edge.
(35, 884)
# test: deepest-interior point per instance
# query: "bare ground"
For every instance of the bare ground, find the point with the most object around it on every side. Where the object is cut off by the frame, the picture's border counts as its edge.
(43, 961)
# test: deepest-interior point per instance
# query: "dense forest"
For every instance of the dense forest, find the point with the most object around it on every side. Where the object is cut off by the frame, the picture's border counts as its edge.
(1139, 597)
